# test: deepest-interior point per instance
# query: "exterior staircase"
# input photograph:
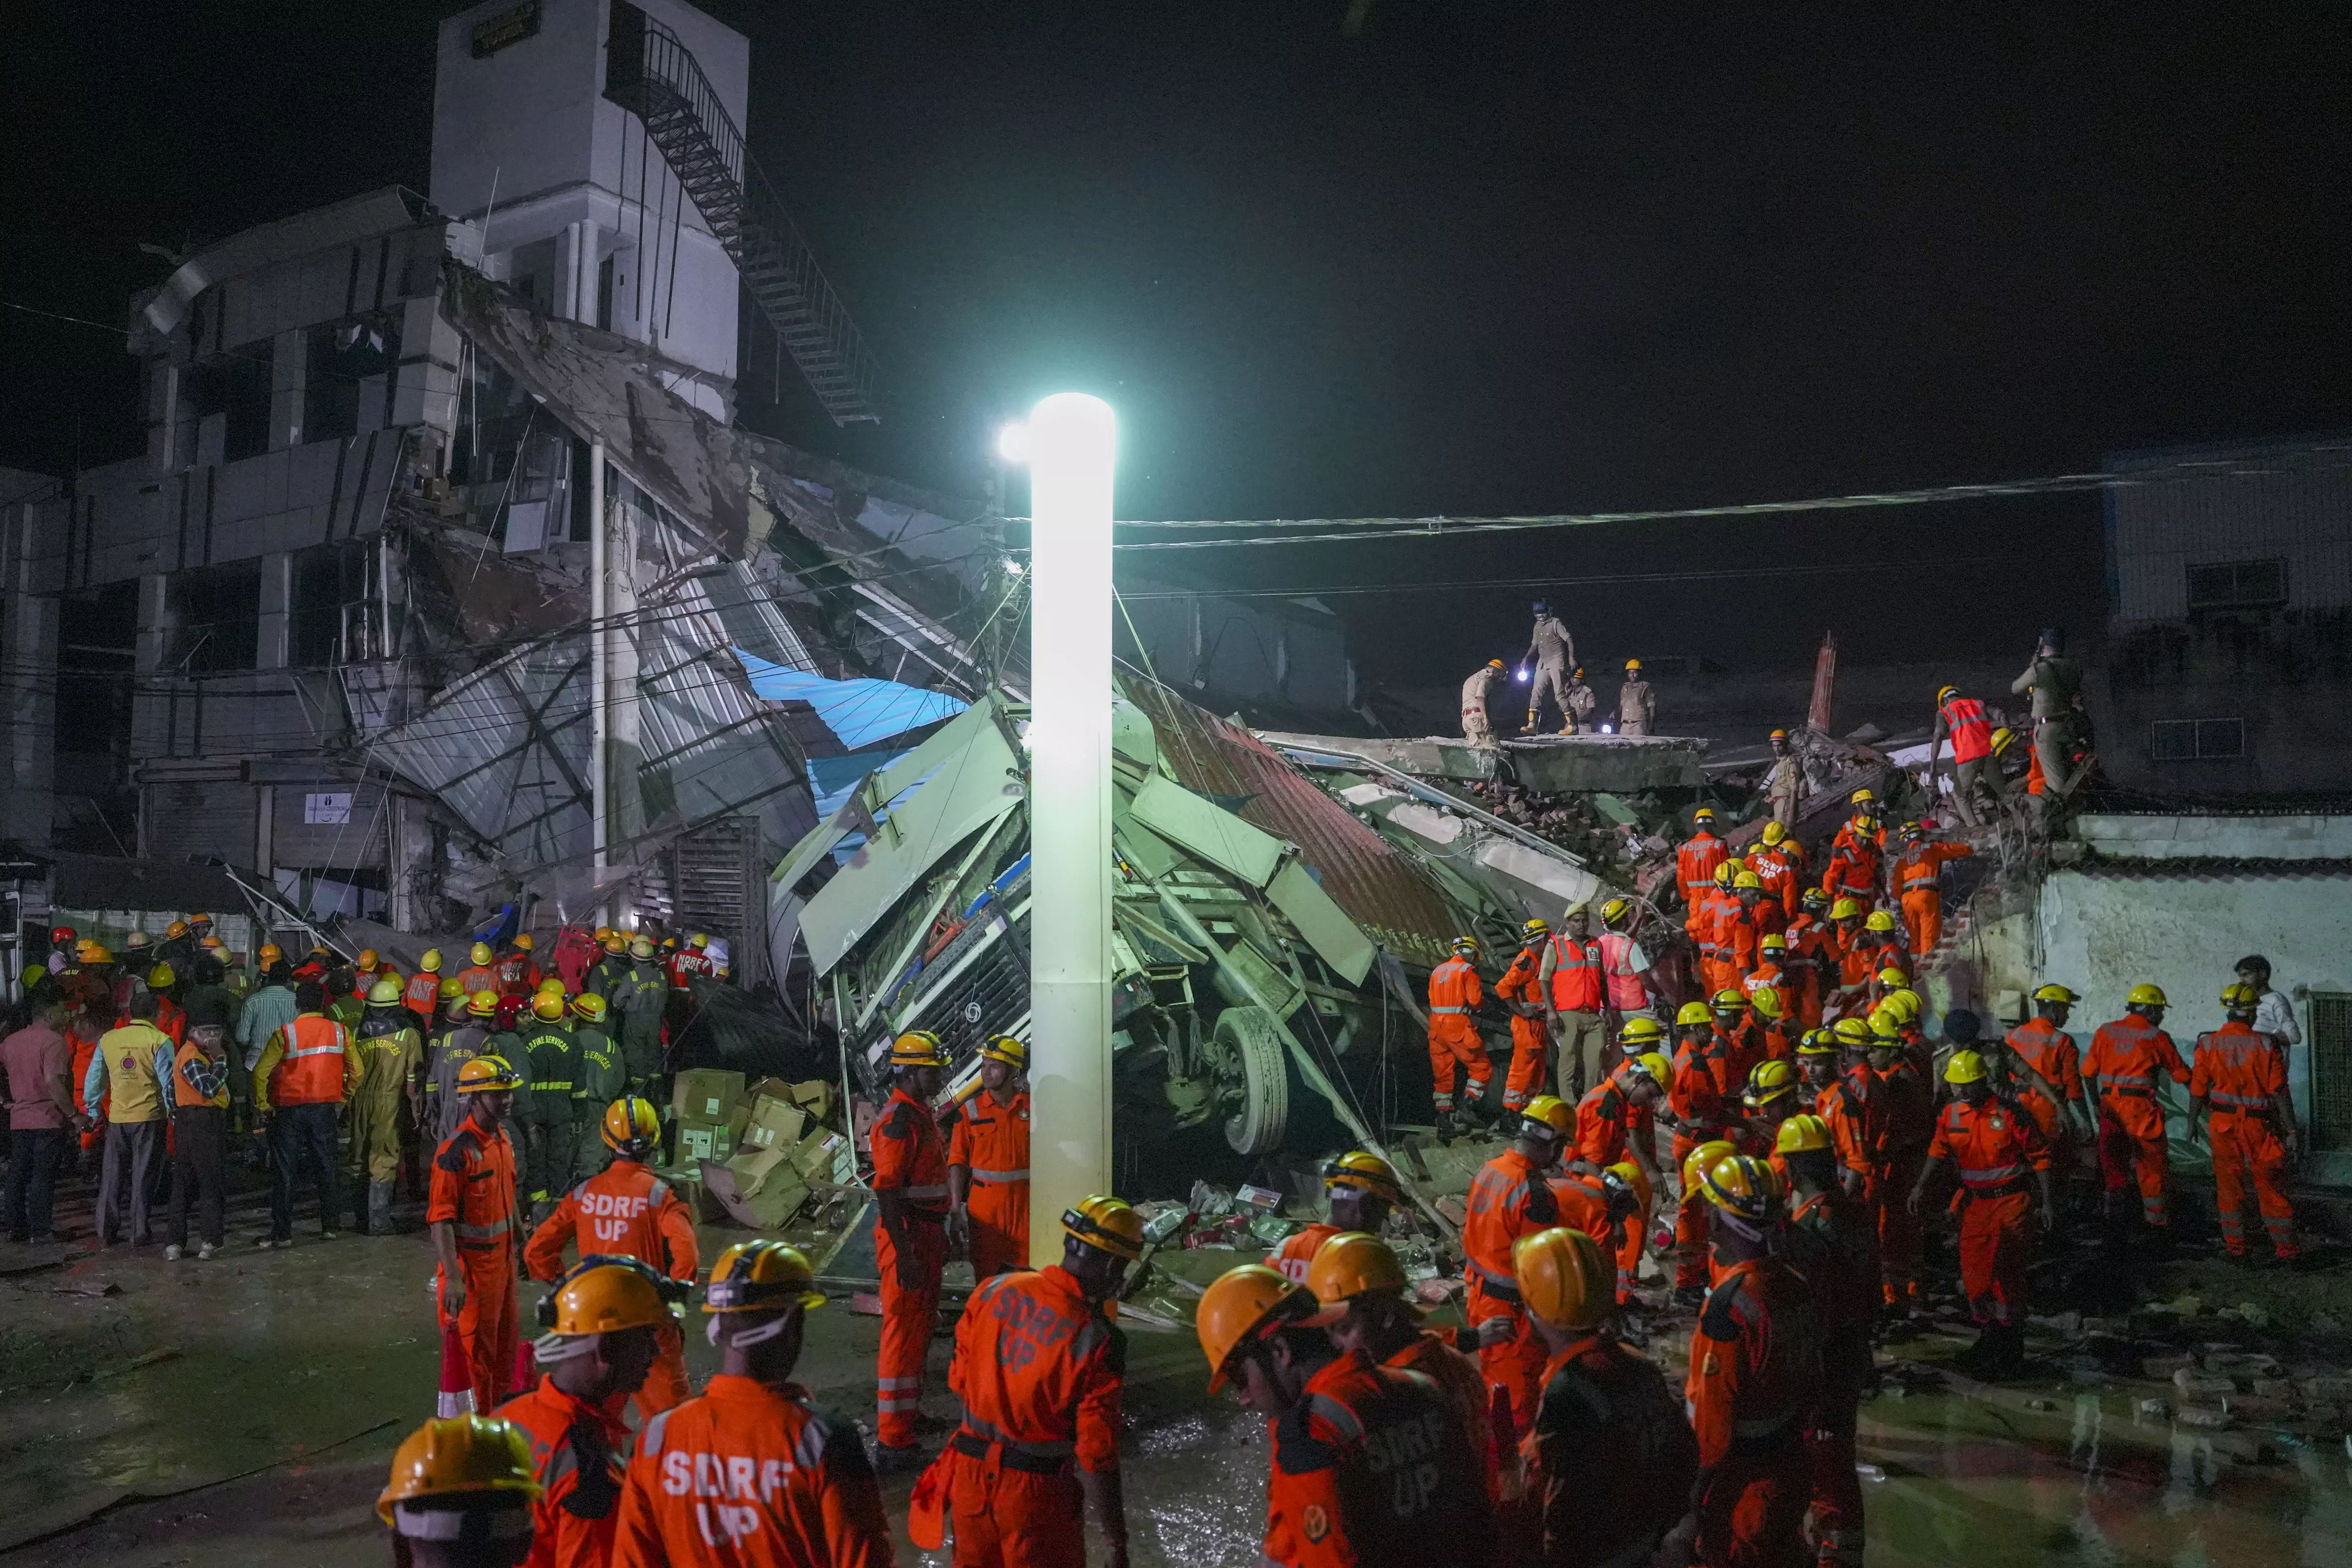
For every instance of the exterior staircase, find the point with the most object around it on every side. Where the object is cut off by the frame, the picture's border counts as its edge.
(653, 76)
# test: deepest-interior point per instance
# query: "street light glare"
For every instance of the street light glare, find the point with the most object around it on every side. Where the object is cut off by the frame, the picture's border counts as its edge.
(1012, 443)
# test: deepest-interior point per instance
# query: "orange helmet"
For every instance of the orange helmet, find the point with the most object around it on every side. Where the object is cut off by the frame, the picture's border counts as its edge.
(1241, 1308)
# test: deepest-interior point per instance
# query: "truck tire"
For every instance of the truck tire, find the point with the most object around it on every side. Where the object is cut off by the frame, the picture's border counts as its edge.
(1251, 1062)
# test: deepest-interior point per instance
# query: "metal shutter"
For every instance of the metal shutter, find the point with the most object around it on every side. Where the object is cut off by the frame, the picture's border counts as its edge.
(198, 819)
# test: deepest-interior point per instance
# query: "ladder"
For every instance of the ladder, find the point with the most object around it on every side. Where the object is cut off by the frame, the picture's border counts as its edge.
(653, 76)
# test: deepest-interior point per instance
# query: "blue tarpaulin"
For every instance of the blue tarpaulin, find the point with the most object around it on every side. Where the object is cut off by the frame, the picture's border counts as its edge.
(859, 711)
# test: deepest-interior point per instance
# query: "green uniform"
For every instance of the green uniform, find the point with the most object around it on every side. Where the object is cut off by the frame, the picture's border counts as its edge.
(598, 1081)
(604, 979)
(388, 1050)
(547, 1117)
(640, 997)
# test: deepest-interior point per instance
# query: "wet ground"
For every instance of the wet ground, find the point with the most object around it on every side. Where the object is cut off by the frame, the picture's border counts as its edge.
(243, 1411)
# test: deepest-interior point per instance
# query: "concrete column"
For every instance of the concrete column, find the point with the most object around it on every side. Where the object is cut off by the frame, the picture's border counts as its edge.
(625, 811)
(150, 711)
(289, 371)
(272, 648)
(30, 682)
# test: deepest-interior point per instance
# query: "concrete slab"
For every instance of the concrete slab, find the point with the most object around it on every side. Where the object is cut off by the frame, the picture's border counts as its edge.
(1551, 765)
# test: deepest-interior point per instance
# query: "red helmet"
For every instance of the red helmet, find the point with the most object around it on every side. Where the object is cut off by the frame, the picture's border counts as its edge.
(58, 934)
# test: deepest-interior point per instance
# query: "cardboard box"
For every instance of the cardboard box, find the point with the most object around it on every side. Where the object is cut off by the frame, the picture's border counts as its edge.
(738, 1120)
(816, 1095)
(825, 1156)
(775, 1088)
(697, 1142)
(759, 1189)
(707, 1095)
(775, 1123)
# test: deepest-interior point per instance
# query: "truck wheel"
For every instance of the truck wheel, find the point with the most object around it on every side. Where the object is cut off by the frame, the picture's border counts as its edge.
(1248, 1055)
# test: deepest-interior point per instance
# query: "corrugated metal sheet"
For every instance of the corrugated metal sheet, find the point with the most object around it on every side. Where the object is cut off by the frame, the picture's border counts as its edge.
(2288, 501)
(1379, 889)
(710, 747)
(198, 820)
(507, 748)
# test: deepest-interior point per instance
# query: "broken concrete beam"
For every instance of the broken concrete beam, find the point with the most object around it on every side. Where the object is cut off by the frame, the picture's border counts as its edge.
(2195, 1385)
(1548, 764)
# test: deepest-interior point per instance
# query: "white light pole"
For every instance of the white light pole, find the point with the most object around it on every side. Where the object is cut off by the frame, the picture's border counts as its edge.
(1072, 440)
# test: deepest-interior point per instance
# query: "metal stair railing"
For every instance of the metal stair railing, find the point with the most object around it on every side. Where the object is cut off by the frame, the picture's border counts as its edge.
(652, 75)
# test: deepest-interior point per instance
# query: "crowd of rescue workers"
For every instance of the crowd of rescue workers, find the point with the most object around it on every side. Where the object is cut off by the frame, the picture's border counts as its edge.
(1815, 1131)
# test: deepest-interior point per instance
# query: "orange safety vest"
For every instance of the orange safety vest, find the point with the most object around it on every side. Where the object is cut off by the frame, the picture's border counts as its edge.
(1576, 974)
(1625, 992)
(184, 1094)
(422, 994)
(310, 1072)
(1972, 731)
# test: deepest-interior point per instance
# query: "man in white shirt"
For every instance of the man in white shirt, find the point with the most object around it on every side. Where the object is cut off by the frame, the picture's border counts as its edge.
(2275, 1015)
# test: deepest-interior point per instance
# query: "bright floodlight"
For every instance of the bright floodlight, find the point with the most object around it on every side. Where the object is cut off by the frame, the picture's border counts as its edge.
(1012, 443)
(1072, 442)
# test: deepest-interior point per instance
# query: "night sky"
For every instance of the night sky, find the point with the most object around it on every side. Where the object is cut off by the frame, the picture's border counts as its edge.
(1468, 258)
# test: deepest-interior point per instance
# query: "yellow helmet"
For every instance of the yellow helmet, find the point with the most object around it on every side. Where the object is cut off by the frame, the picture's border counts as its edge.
(523, 942)
(1965, 1067)
(1906, 1002)
(1743, 1186)
(1614, 911)
(486, 1073)
(1563, 1278)
(1536, 930)
(918, 1049)
(268, 953)
(1860, 798)
(485, 1003)
(1766, 1002)
(482, 953)
(1465, 945)
(161, 978)
(431, 962)
(615, 941)
(1704, 813)
(1009, 1049)
(2002, 738)
(1812, 898)
(176, 929)
(1802, 1134)
(552, 983)
(698, 939)
(1241, 1308)
(1769, 1080)
(1774, 832)
(1696, 1162)
(602, 933)
(1844, 909)
(1633, 1176)
(1772, 941)
(1351, 1264)
(459, 1455)
(369, 959)
(1653, 1065)
(1106, 1223)
(451, 988)
(2236, 997)
(1363, 1172)
(2150, 995)
(1551, 1113)
(547, 1005)
(1640, 1030)
(1945, 694)
(1631, 665)
(631, 1122)
(1817, 1043)
(589, 1006)
(384, 994)
(1851, 1031)
(761, 1276)
(96, 952)
(641, 947)
(1747, 880)
(1885, 1029)
(604, 1295)
(1880, 919)
(1727, 1001)
(1890, 975)
(1693, 1014)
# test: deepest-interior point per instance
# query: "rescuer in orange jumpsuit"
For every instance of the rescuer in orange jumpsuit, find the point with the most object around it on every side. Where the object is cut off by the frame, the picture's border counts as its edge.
(1695, 865)
(1716, 939)
(1039, 1366)
(2238, 1074)
(1610, 1460)
(988, 1163)
(1772, 975)
(1812, 954)
(1901, 1120)
(626, 1211)
(471, 1211)
(1755, 1378)
(1919, 871)
(480, 972)
(517, 970)
(911, 1241)
(2051, 1062)
(2128, 1059)
(601, 1322)
(1509, 1198)
(1361, 1189)
(1702, 1084)
(1827, 1240)
(1521, 991)
(1842, 1100)
(1370, 1469)
(1856, 855)
(1361, 1288)
(2004, 1173)
(1454, 997)
(750, 1473)
(1614, 1125)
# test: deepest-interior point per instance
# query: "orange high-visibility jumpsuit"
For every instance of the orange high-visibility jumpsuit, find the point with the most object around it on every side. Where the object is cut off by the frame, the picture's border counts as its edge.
(1610, 1460)
(517, 974)
(1853, 870)
(1296, 1253)
(1900, 1116)
(1755, 1378)
(1695, 865)
(2127, 1056)
(909, 1156)
(1782, 869)
(626, 1211)
(422, 996)
(1530, 1038)
(1453, 1034)
(1508, 1199)
(1370, 1471)
(477, 978)
(1917, 872)
(1844, 1108)
(750, 1476)
(1811, 954)
(2050, 1051)
(2241, 1074)
(1769, 976)
(1830, 1243)
(1995, 1149)
(574, 1520)
(1736, 932)
(474, 1190)
(1039, 1370)
(1701, 1082)
(1609, 1127)
(1463, 1388)
(989, 1138)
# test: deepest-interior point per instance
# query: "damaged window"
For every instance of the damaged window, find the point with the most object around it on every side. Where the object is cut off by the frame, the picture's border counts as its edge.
(214, 617)
(2237, 584)
(348, 382)
(2196, 740)
(229, 403)
(515, 467)
(337, 612)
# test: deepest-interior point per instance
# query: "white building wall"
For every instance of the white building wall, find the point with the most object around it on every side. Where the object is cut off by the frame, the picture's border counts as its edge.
(2287, 501)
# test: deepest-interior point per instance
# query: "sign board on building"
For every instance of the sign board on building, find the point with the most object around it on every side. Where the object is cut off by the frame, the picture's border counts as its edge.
(512, 25)
(327, 808)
